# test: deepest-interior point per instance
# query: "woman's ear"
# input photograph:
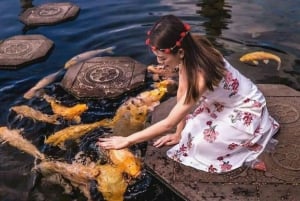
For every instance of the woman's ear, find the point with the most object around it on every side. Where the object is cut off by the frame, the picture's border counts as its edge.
(181, 53)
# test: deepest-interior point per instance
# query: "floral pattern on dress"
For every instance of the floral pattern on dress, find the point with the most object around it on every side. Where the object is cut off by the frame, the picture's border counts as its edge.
(183, 149)
(212, 169)
(210, 134)
(231, 84)
(246, 117)
(225, 164)
(252, 146)
(254, 103)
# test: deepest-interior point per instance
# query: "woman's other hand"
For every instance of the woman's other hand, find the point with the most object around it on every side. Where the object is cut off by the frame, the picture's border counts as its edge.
(169, 139)
(115, 142)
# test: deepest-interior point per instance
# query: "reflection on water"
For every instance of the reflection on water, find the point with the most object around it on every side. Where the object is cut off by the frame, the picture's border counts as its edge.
(234, 27)
(218, 15)
(25, 4)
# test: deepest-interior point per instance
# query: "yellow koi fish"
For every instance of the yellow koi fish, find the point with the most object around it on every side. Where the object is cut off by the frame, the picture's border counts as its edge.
(260, 55)
(110, 177)
(73, 133)
(26, 111)
(69, 113)
(15, 139)
(112, 183)
(71, 62)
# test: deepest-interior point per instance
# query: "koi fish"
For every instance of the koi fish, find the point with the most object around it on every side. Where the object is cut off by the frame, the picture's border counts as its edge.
(260, 55)
(71, 62)
(112, 183)
(125, 160)
(79, 175)
(87, 55)
(26, 111)
(110, 177)
(159, 71)
(15, 139)
(69, 113)
(73, 133)
(131, 116)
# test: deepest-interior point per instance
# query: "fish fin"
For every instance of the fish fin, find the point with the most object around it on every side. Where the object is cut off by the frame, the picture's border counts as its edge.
(266, 61)
(110, 50)
(77, 119)
(279, 65)
(255, 62)
(153, 105)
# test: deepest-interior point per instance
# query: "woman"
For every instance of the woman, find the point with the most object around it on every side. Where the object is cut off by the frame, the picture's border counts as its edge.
(230, 125)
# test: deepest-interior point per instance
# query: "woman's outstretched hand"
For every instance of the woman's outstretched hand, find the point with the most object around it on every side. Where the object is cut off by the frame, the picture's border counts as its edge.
(115, 142)
(169, 139)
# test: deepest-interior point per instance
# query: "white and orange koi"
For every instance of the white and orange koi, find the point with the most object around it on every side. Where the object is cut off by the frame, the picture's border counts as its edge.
(260, 55)
(26, 111)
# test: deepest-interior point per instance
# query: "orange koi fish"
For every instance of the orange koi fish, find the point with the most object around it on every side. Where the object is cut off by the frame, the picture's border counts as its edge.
(26, 111)
(73, 133)
(109, 177)
(15, 139)
(69, 113)
(112, 183)
(260, 55)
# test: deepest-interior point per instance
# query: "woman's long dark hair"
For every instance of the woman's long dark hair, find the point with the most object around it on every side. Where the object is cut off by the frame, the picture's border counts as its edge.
(199, 54)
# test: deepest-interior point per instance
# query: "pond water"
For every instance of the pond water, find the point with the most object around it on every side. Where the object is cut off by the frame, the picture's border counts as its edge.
(234, 27)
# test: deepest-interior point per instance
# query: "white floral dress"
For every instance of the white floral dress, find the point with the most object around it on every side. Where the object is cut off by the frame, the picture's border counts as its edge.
(230, 126)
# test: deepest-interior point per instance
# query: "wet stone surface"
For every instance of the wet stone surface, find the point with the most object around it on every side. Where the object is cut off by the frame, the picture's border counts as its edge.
(20, 50)
(49, 13)
(104, 77)
(283, 165)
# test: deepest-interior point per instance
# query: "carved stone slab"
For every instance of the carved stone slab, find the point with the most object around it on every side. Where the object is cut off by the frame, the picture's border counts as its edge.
(281, 180)
(19, 50)
(49, 13)
(104, 77)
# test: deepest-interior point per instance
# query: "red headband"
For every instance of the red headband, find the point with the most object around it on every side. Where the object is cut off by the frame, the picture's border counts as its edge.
(187, 28)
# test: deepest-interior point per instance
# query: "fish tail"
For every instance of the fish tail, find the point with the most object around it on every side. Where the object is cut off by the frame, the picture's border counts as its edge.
(110, 50)
(279, 65)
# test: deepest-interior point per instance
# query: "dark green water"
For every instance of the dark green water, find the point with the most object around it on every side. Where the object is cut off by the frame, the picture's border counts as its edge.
(234, 27)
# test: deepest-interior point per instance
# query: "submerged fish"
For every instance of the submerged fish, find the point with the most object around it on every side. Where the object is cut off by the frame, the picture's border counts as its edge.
(73, 132)
(260, 55)
(125, 160)
(69, 113)
(71, 62)
(130, 117)
(111, 183)
(87, 55)
(26, 111)
(79, 175)
(15, 139)
(110, 177)
(41, 84)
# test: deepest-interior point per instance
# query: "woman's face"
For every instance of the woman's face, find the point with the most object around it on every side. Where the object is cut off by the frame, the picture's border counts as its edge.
(167, 60)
